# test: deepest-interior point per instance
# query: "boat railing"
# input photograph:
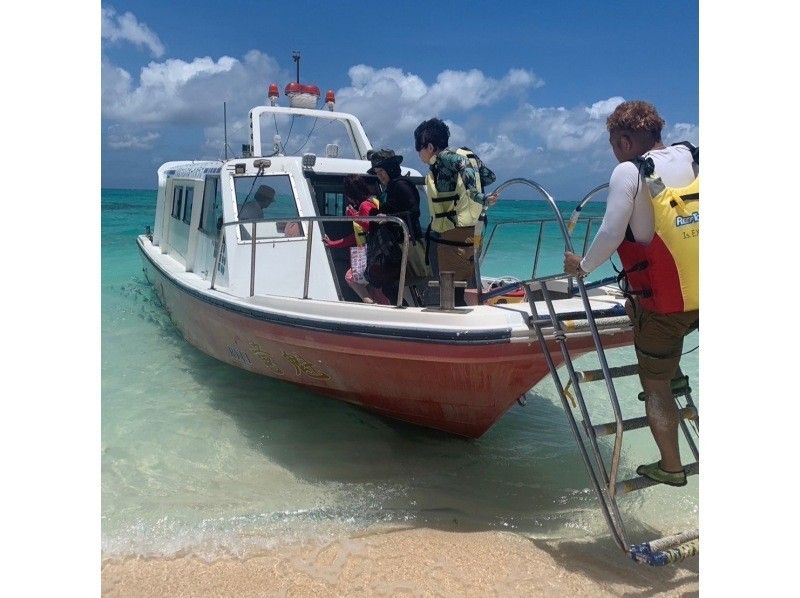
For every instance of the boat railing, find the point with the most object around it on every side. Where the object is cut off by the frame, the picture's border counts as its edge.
(541, 222)
(253, 224)
(574, 219)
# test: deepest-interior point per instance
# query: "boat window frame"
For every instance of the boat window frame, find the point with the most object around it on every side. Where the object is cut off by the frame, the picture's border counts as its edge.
(188, 200)
(177, 201)
(214, 206)
(245, 238)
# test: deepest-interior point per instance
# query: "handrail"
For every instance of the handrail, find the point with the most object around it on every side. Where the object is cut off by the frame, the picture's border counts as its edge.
(575, 216)
(309, 237)
(617, 451)
(577, 211)
(541, 222)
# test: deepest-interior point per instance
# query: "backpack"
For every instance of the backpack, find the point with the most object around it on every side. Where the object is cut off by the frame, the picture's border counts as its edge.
(485, 176)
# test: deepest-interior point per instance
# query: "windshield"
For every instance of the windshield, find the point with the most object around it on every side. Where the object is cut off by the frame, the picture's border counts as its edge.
(266, 197)
(304, 134)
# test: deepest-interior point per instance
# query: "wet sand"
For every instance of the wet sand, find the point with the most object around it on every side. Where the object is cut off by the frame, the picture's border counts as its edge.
(410, 562)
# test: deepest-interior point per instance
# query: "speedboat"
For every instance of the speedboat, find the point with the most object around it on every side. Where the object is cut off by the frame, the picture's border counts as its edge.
(267, 296)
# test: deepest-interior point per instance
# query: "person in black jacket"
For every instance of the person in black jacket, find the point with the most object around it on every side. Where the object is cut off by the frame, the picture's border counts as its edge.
(400, 198)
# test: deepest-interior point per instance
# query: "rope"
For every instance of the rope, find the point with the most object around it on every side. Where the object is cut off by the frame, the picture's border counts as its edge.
(674, 540)
(677, 554)
(666, 551)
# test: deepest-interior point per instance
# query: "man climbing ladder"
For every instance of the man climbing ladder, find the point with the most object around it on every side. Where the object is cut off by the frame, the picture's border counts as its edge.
(652, 221)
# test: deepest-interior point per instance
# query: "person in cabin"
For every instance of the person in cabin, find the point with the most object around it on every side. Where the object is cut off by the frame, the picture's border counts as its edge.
(652, 221)
(361, 202)
(399, 198)
(455, 187)
(254, 209)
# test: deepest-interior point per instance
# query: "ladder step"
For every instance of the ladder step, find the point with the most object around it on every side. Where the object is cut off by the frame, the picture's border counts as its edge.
(680, 388)
(670, 549)
(637, 422)
(617, 372)
(641, 482)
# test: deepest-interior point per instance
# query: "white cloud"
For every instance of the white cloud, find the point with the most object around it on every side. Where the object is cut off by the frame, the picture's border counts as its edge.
(180, 92)
(563, 129)
(129, 141)
(603, 108)
(391, 103)
(681, 132)
(127, 28)
(464, 90)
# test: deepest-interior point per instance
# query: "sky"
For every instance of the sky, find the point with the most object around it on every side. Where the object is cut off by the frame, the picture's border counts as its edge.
(527, 85)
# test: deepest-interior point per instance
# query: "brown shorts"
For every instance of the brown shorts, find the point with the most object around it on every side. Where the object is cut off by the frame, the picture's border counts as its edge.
(454, 258)
(659, 340)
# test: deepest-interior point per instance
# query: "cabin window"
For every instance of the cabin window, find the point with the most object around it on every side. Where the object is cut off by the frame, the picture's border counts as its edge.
(334, 204)
(211, 221)
(177, 202)
(267, 198)
(187, 205)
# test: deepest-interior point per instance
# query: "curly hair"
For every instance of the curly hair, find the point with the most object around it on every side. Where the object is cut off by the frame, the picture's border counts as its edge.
(636, 116)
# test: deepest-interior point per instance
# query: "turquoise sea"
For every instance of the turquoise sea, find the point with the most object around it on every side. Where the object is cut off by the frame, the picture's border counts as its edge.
(204, 459)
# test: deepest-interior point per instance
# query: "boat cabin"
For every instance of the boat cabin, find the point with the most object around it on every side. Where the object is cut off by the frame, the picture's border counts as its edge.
(211, 220)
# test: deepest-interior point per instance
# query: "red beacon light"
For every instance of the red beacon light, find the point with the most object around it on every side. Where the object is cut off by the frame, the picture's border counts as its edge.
(330, 100)
(272, 94)
(302, 96)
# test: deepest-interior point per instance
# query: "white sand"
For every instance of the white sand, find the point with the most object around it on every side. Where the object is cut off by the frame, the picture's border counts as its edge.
(415, 562)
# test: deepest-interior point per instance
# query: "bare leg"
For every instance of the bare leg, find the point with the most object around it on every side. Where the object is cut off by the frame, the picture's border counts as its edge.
(663, 419)
(377, 295)
(361, 290)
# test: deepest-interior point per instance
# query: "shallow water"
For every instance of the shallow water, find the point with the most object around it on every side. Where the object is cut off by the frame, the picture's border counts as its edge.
(201, 458)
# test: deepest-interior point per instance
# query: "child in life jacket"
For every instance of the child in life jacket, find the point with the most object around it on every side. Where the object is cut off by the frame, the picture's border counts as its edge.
(358, 193)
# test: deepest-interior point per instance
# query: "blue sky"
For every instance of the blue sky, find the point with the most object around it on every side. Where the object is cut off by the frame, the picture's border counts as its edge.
(527, 85)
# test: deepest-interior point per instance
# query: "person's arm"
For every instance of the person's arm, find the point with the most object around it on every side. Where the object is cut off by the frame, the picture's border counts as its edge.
(348, 241)
(622, 189)
(469, 177)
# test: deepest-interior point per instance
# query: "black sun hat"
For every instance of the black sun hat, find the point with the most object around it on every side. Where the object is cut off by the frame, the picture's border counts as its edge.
(382, 158)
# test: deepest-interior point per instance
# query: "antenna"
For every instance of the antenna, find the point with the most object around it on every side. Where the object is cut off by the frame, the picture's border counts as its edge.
(225, 123)
(296, 58)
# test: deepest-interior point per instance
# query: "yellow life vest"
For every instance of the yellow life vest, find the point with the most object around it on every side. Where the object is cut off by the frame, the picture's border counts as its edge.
(450, 209)
(665, 272)
(361, 234)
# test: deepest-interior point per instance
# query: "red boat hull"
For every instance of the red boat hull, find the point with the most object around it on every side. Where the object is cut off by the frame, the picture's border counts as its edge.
(461, 388)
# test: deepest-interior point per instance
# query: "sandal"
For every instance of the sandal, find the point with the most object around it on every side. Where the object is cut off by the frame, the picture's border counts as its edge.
(654, 472)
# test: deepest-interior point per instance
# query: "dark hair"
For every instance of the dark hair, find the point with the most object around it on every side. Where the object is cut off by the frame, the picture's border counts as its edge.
(356, 188)
(637, 117)
(392, 169)
(433, 131)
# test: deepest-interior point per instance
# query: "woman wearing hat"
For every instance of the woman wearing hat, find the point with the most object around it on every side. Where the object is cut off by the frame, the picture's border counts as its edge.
(400, 198)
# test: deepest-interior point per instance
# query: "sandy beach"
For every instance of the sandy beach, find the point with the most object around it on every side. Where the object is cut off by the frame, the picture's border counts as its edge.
(409, 562)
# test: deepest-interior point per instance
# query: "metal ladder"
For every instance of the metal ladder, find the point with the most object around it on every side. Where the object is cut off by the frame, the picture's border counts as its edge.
(605, 477)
